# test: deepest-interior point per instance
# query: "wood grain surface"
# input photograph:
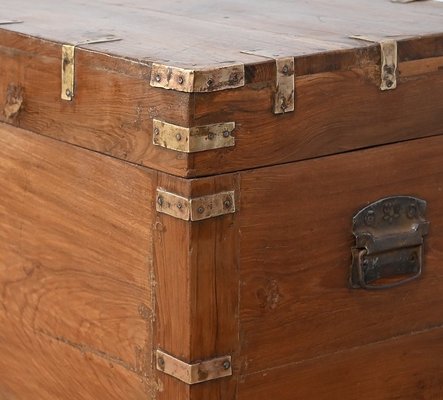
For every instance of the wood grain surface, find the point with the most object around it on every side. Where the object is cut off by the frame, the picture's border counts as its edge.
(75, 281)
(196, 33)
(295, 253)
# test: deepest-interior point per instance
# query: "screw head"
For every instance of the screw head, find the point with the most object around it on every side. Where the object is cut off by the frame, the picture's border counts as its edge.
(211, 135)
(389, 83)
(285, 69)
(178, 137)
(227, 364)
(160, 200)
(227, 203)
(180, 80)
(226, 134)
(158, 78)
(161, 362)
(209, 82)
(156, 131)
(179, 206)
(68, 93)
(200, 210)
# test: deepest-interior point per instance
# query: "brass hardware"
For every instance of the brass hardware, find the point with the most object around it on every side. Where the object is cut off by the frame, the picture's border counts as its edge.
(388, 64)
(389, 242)
(195, 209)
(285, 85)
(68, 64)
(10, 21)
(389, 60)
(195, 81)
(194, 373)
(192, 140)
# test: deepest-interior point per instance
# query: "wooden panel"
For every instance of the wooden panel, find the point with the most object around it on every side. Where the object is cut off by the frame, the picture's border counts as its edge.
(334, 112)
(205, 33)
(112, 109)
(197, 289)
(296, 240)
(75, 234)
(406, 368)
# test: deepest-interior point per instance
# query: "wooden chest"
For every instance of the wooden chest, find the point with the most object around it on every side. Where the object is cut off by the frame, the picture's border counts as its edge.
(232, 200)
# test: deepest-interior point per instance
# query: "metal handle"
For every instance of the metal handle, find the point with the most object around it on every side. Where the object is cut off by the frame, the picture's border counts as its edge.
(389, 243)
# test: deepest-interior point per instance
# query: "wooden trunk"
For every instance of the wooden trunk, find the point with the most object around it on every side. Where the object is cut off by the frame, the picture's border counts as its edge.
(180, 184)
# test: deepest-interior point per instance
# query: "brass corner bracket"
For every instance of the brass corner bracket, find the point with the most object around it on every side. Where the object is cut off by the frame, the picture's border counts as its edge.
(198, 81)
(68, 64)
(285, 85)
(194, 373)
(195, 139)
(195, 209)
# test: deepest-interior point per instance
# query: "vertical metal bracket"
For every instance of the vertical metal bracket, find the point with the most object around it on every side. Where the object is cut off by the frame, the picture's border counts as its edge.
(68, 64)
(194, 373)
(285, 85)
(389, 60)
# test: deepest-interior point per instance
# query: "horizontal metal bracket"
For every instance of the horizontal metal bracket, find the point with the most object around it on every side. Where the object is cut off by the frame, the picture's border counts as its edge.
(194, 373)
(285, 85)
(389, 60)
(192, 140)
(195, 81)
(10, 21)
(195, 209)
(68, 64)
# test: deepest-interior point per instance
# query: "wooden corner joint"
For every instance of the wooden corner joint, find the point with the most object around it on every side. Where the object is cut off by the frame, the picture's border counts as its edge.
(195, 139)
(198, 81)
(195, 209)
(194, 373)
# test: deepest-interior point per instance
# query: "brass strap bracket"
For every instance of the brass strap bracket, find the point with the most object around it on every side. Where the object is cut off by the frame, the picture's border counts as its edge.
(192, 140)
(285, 85)
(68, 64)
(389, 60)
(10, 21)
(194, 373)
(198, 81)
(195, 209)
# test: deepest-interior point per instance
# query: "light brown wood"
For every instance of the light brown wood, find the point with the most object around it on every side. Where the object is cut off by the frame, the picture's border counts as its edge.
(295, 253)
(406, 368)
(75, 239)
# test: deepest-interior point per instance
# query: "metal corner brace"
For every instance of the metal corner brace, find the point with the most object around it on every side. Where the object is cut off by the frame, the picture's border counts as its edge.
(195, 139)
(195, 209)
(68, 64)
(194, 373)
(198, 81)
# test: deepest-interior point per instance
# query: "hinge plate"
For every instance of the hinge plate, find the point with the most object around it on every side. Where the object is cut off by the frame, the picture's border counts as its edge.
(196, 81)
(194, 373)
(195, 209)
(68, 64)
(195, 139)
(285, 85)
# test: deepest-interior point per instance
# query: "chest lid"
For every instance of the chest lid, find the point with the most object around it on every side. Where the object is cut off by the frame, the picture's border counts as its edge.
(195, 88)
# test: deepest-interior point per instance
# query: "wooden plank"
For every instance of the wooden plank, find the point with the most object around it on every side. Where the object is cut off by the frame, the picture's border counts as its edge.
(112, 109)
(197, 289)
(35, 366)
(334, 112)
(406, 368)
(216, 33)
(295, 253)
(75, 234)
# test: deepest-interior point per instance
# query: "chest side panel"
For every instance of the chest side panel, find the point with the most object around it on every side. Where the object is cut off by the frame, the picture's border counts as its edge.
(75, 232)
(296, 239)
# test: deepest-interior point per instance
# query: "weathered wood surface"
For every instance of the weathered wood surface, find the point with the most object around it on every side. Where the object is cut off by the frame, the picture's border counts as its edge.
(295, 252)
(406, 368)
(199, 33)
(196, 266)
(75, 285)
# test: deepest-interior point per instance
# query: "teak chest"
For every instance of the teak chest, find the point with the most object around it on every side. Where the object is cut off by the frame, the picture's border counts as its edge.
(231, 200)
